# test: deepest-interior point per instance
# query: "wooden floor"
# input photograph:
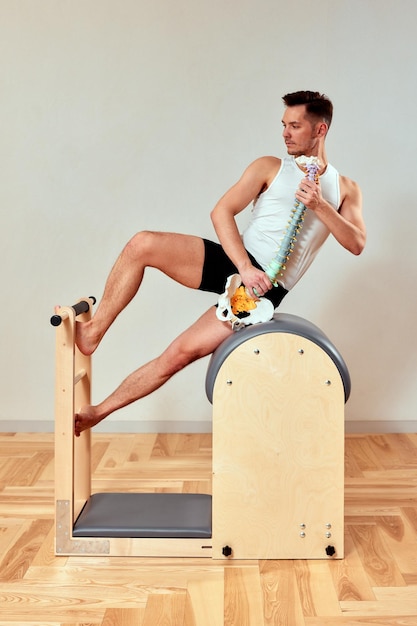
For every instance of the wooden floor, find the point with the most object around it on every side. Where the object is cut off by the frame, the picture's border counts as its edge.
(375, 584)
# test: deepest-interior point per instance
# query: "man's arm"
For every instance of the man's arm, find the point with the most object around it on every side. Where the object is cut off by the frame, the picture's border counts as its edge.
(346, 224)
(255, 179)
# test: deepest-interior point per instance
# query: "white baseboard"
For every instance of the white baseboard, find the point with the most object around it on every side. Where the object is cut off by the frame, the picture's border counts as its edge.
(155, 426)
(381, 426)
(150, 426)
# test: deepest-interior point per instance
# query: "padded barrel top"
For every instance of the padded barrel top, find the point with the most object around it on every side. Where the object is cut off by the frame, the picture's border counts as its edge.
(280, 323)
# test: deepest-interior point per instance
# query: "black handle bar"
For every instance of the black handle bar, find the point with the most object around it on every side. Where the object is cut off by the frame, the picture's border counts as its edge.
(79, 307)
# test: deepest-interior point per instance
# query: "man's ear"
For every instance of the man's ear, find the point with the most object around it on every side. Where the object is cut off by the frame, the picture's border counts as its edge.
(322, 129)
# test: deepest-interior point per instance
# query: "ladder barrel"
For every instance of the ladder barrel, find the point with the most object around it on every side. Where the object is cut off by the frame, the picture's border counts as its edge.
(278, 391)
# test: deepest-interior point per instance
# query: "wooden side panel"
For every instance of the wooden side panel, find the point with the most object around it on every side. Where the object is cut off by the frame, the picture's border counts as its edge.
(278, 451)
(64, 406)
(72, 455)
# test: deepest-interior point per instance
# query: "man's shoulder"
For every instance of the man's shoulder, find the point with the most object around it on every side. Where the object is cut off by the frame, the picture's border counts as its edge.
(266, 166)
(268, 161)
(348, 184)
(349, 190)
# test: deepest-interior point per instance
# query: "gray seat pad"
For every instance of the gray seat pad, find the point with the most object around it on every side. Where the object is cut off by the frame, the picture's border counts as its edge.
(162, 515)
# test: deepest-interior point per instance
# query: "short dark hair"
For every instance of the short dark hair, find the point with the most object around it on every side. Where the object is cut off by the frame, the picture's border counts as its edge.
(317, 104)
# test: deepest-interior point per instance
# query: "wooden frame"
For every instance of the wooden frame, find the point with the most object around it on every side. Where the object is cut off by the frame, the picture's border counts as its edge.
(278, 453)
(73, 457)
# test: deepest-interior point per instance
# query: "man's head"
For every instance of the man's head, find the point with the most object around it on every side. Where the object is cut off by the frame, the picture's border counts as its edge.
(318, 107)
(306, 120)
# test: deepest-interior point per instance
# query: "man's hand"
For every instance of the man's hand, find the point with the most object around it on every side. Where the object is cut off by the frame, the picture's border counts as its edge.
(256, 281)
(309, 193)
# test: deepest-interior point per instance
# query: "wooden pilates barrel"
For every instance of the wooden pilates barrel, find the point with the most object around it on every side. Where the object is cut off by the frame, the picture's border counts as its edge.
(278, 391)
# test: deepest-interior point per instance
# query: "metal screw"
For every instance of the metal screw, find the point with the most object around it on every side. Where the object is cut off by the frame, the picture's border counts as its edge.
(328, 382)
(301, 351)
(328, 535)
(302, 534)
(328, 525)
(229, 382)
(302, 525)
(256, 351)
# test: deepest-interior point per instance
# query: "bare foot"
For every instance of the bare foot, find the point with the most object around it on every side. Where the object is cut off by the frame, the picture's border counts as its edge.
(86, 338)
(86, 418)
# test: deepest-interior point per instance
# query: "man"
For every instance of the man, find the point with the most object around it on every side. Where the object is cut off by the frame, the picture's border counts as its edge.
(333, 206)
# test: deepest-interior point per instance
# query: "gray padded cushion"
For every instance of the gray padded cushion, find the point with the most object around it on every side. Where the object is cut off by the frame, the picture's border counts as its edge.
(162, 515)
(280, 323)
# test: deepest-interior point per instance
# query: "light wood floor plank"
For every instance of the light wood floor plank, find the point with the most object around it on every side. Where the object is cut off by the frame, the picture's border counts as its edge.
(281, 595)
(410, 513)
(349, 576)
(363, 453)
(243, 602)
(400, 538)
(116, 454)
(317, 591)
(379, 563)
(390, 601)
(205, 600)
(405, 449)
(20, 555)
(31, 468)
(123, 617)
(165, 610)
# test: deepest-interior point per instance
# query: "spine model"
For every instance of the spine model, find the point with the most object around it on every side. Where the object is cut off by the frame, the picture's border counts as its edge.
(278, 264)
(235, 305)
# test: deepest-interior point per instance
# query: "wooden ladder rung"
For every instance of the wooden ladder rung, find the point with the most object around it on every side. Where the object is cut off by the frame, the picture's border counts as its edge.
(79, 376)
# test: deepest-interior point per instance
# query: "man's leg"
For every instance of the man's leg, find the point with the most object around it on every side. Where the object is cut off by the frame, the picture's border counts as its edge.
(201, 339)
(180, 257)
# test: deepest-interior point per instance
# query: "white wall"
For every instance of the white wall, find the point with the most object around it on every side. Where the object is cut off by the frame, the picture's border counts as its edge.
(121, 115)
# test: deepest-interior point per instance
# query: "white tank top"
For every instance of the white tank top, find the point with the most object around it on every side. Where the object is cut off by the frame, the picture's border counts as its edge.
(271, 212)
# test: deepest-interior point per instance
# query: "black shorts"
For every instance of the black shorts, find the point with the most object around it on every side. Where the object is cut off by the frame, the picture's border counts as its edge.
(218, 267)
